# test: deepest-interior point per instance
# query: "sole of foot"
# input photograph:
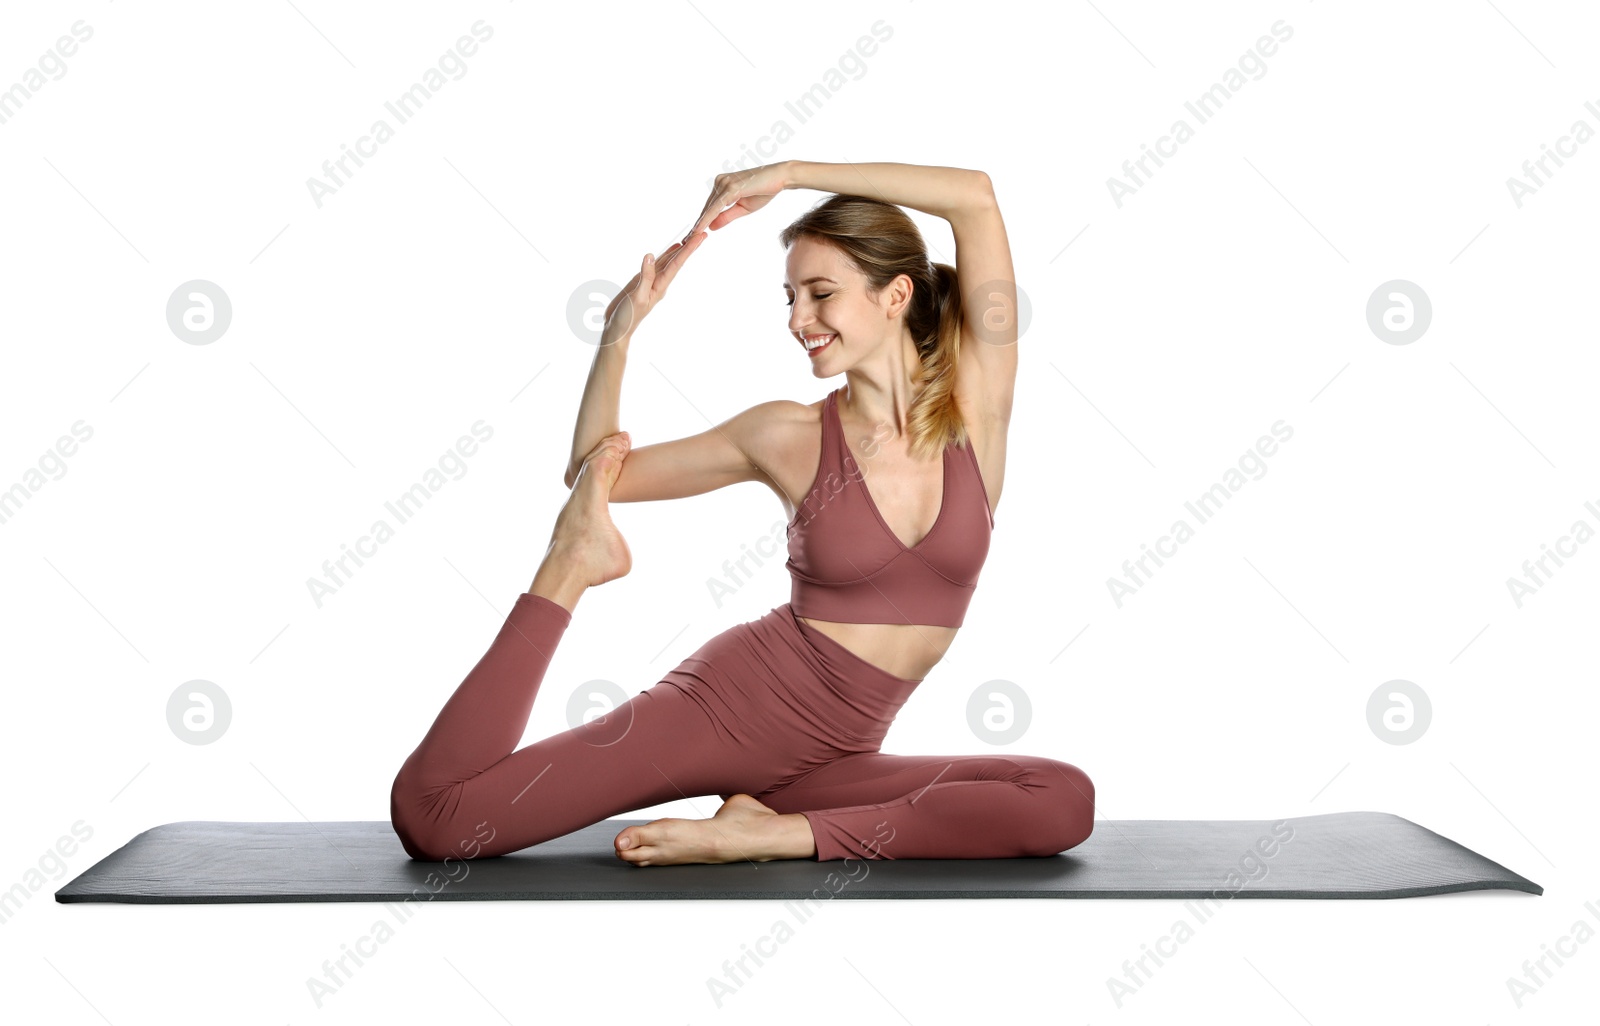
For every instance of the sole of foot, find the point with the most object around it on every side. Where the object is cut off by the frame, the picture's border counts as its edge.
(585, 543)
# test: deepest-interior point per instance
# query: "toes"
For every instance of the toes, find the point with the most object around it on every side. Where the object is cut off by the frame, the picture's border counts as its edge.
(605, 461)
(639, 854)
(646, 843)
(636, 837)
(618, 444)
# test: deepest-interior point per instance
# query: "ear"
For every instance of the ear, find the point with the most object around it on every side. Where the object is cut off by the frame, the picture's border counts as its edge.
(900, 294)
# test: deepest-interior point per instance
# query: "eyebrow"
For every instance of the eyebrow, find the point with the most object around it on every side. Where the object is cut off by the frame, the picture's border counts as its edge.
(814, 278)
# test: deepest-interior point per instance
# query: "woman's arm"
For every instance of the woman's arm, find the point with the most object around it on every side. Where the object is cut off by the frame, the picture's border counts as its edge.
(947, 192)
(725, 454)
(602, 397)
(602, 392)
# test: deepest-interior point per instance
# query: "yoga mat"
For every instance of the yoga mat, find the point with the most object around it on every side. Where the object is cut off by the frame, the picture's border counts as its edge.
(1337, 855)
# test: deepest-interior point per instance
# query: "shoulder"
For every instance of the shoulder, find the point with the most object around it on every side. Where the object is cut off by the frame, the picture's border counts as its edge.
(778, 415)
(788, 410)
(772, 430)
(781, 438)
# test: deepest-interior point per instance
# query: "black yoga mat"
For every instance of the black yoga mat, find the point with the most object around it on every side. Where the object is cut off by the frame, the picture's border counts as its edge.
(1338, 855)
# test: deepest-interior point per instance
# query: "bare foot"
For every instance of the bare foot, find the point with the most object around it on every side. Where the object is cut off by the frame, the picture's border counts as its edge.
(742, 829)
(586, 549)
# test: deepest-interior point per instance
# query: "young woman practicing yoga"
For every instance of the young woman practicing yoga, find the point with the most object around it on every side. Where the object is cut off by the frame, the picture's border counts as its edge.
(782, 717)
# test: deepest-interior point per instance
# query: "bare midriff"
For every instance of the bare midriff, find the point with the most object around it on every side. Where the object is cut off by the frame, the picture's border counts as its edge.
(907, 651)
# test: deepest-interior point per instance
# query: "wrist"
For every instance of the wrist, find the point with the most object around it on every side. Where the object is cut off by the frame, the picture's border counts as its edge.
(615, 338)
(793, 174)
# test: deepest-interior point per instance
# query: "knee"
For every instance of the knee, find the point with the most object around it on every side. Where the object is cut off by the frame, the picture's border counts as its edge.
(419, 835)
(419, 852)
(1069, 818)
(418, 846)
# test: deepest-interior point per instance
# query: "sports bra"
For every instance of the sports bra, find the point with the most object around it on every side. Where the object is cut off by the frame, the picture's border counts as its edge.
(847, 566)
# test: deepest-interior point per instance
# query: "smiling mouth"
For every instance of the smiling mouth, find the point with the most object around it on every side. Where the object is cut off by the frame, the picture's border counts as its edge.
(813, 349)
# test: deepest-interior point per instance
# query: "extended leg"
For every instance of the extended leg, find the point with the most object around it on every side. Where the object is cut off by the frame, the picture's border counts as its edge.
(463, 792)
(468, 795)
(877, 806)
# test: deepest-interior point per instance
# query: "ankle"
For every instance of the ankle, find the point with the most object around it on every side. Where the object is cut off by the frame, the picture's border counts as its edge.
(559, 585)
(794, 837)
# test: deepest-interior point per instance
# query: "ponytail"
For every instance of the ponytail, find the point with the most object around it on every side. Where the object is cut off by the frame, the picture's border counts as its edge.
(934, 417)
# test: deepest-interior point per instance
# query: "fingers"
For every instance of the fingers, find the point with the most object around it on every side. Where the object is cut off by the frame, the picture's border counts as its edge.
(673, 259)
(650, 284)
(657, 264)
(723, 219)
(714, 204)
(687, 244)
(699, 221)
(684, 248)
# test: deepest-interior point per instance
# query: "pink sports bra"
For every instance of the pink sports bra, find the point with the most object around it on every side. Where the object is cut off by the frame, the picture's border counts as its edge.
(847, 566)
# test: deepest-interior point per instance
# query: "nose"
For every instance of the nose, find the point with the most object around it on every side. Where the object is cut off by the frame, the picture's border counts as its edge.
(800, 316)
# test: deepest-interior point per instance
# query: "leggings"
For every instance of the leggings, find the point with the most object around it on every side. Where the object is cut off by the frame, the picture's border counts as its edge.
(772, 708)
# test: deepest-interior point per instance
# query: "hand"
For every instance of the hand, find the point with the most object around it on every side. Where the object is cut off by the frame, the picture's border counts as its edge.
(640, 296)
(746, 191)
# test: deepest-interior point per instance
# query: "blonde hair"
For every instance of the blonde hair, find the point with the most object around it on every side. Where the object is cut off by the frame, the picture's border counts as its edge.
(882, 243)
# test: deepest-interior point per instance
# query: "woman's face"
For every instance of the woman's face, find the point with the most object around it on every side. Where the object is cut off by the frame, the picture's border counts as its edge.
(828, 297)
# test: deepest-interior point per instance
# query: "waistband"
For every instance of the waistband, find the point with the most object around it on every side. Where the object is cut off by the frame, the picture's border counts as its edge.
(841, 660)
(836, 695)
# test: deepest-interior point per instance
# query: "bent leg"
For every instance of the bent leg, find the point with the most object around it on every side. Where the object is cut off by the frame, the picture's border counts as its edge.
(464, 793)
(877, 806)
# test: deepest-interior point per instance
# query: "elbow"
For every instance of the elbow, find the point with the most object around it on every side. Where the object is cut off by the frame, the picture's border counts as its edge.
(983, 188)
(975, 197)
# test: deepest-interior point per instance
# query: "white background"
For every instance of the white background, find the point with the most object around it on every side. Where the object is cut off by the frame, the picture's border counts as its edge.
(1168, 334)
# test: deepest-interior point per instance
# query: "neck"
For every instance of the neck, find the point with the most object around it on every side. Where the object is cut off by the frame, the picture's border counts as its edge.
(881, 390)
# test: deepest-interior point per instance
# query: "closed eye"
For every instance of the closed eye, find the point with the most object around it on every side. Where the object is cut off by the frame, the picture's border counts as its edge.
(820, 295)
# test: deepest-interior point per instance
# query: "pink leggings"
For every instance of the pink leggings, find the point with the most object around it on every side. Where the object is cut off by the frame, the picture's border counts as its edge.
(772, 708)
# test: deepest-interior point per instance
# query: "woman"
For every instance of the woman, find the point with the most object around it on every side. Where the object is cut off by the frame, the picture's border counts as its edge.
(782, 716)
